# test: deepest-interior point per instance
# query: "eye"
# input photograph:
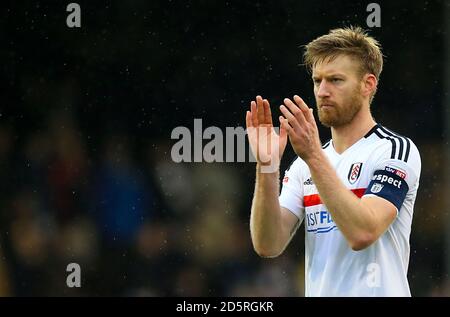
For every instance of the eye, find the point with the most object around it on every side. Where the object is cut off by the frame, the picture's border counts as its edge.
(316, 81)
(336, 80)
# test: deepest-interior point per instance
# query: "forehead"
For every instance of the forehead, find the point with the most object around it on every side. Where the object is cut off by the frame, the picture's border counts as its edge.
(342, 64)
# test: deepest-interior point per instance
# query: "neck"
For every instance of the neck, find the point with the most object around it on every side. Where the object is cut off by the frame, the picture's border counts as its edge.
(347, 135)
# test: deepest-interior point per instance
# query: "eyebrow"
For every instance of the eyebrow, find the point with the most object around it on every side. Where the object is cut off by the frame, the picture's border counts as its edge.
(329, 76)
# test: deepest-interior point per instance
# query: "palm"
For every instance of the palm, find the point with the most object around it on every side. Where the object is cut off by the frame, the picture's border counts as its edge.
(266, 144)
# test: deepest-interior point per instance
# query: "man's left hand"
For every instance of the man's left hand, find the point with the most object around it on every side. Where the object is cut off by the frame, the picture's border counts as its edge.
(301, 128)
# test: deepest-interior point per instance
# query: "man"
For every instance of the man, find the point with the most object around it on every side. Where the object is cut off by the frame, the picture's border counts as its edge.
(356, 193)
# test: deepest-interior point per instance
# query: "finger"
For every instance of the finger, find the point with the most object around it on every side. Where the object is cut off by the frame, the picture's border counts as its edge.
(302, 119)
(267, 112)
(311, 111)
(283, 131)
(284, 124)
(295, 111)
(304, 107)
(289, 129)
(254, 115)
(299, 101)
(290, 117)
(248, 119)
(260, 109)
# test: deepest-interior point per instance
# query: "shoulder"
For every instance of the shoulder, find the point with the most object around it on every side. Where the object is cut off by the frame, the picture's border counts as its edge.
(397, 153)
(396, 146)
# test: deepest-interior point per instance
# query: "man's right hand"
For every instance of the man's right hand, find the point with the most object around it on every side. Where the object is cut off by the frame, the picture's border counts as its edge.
(267, 146)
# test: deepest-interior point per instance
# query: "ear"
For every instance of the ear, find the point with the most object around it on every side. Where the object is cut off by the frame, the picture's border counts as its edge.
(369, 84)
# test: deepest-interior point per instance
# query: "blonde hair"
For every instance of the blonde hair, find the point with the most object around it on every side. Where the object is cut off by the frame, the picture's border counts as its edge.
(351, 41)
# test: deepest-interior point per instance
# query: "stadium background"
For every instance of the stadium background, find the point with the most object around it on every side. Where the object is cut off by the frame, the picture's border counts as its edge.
(85, 123)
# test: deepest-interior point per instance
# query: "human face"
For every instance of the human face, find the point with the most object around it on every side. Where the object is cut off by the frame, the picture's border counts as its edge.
(337, 89)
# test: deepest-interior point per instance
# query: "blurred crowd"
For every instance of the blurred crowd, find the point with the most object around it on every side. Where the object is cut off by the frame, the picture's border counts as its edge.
(154, 229)
(145, 226)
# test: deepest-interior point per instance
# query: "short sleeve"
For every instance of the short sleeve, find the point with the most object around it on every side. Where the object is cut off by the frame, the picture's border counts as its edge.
(291, 196)
(394, 175)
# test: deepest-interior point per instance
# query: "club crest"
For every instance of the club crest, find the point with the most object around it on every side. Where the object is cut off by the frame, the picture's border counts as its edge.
(355, 171)
(376, 188)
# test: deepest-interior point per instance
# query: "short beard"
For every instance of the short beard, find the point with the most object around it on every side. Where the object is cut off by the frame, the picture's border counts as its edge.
(340, 116)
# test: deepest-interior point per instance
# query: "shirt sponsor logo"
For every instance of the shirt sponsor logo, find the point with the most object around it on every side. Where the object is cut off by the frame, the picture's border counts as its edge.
(395, 171)
(319, 222)
(387, 179)
(355, 171)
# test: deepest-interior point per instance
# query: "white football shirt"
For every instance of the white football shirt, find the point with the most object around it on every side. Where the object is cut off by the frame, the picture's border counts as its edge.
(384, 164)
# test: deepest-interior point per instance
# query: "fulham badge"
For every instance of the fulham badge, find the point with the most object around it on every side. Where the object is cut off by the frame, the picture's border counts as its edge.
(355, 171)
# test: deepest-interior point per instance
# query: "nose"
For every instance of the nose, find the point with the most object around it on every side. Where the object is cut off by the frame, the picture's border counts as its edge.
(322, 90)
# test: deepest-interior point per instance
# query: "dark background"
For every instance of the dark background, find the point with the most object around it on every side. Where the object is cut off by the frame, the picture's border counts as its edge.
(86, 118)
